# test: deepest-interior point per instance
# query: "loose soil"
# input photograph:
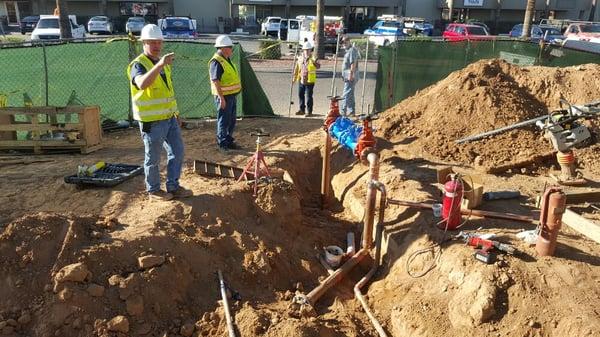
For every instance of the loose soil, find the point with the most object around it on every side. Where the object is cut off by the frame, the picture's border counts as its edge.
(109, 262)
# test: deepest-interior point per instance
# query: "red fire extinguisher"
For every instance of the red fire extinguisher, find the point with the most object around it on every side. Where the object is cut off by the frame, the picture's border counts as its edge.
(453, 193)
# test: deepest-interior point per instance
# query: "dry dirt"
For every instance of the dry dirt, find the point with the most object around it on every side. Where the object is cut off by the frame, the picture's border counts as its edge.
(487, 95)
(109, 262)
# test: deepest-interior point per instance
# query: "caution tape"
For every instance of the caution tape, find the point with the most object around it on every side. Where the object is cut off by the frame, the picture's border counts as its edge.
(3, 101)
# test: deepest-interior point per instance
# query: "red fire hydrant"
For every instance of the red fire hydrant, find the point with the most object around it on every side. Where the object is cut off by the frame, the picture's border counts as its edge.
(453, 194)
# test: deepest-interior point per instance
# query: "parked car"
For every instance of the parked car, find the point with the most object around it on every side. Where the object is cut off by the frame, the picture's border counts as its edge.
(547, 33)
(47, 28)
(270, 26)
(581, 31)
(385, 31)
(135, 24)
(177, 27)
(461, 31)
(100, 24)
(417, 26)
(28, 23)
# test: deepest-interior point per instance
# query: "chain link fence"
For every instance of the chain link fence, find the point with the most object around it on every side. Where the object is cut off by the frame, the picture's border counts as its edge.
(94, 73)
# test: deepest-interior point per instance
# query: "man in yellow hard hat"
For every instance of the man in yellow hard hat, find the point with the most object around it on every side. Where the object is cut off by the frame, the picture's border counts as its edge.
(155, 108)
(305, 72)
(225, 84)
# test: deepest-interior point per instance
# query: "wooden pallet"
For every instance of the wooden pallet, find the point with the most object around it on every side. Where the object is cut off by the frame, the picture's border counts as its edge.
(84, 135)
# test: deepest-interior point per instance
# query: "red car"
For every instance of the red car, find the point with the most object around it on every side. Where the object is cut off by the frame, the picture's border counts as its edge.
(461, 31)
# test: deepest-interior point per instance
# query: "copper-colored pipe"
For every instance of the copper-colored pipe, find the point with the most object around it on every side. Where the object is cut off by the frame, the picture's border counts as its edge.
(472, 212)
(553, 207)
(367, 242)
(326, 172)
(376, 261)
(334, 278)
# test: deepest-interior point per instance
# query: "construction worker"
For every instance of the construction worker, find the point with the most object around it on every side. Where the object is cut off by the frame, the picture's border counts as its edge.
(349, 76)
(154, 106)
(305, 72)
(225, 85)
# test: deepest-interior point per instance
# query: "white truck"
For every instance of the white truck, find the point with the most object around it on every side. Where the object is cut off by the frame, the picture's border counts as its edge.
(47, 28)
(304, 27)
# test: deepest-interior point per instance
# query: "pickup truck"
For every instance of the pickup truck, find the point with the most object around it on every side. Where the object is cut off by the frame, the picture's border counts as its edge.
(178, 27)
(589, 32)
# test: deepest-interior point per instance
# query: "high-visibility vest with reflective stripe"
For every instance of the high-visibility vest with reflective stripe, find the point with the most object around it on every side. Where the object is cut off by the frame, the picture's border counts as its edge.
(230, 81)
(156, 102)
(312, 71)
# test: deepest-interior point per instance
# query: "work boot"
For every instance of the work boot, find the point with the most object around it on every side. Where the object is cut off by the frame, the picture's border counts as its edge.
(181, 193)
(234, 146)
(309, 114)
(223, 149)
(299, 113)
(160, 195)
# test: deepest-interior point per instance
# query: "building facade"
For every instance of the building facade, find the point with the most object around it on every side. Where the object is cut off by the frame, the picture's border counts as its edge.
(226, 15)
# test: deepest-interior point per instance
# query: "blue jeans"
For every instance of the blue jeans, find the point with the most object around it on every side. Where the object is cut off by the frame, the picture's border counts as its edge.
(163, 134)
(225, 120)
(347, 103)
(306, 90)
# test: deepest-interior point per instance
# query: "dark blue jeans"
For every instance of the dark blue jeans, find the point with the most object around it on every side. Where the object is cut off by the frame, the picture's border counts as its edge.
(225, 120)
(306, 90)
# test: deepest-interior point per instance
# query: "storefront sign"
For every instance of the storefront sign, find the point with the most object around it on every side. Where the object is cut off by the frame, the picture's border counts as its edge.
(473, 3)
(138, 8)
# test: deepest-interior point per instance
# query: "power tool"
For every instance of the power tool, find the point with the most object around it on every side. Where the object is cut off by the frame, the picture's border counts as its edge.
(485, 252)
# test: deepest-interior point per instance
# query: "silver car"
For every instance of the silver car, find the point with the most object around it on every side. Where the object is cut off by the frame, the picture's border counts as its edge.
(100, 24)
(135, 24)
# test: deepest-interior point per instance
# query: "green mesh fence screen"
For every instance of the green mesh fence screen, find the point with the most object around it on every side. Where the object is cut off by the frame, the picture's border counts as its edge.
(408, 66)
(94, 73)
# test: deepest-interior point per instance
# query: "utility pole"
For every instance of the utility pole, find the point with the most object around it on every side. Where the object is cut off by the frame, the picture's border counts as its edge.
(63, 19)
(529, 12)
(319, 38)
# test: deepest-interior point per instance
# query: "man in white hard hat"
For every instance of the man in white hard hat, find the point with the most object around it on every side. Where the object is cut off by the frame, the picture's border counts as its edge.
(155, 108)
(225, 84)
(305, 72)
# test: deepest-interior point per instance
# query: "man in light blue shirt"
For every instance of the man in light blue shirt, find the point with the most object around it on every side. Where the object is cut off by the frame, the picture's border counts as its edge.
(350, 76)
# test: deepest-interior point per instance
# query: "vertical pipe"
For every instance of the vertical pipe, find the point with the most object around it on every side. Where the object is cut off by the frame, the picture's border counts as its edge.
(45, 70)
(228, 318)
(362, 103)
(367, 242)
(292, 81)
(337, 50)
(553, 207)
(376, 261)
(326, 171)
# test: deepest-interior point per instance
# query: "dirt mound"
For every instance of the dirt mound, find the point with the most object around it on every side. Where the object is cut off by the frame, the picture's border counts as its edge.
(487, 95)
(66, 275)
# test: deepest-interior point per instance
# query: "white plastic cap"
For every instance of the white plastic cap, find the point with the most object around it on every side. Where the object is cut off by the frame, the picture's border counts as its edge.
(151, 32)
(223, 41)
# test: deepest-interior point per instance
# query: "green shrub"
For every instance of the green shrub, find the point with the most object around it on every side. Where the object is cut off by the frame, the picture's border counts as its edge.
(361, 45)
(270, 49)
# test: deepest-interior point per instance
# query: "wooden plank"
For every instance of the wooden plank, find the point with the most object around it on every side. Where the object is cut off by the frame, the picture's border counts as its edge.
(582, 197)
(584, 226)
(43, 143)
(41, 127)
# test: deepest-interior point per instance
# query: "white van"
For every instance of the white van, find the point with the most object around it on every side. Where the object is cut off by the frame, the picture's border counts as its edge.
(47, 28)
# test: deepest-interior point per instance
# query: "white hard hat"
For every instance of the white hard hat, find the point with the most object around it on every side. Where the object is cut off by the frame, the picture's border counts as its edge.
(307, 45)
(151, 32)
(223, 41)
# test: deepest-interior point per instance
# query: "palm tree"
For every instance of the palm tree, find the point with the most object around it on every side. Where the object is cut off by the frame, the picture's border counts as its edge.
(63, 19)
(529, 11)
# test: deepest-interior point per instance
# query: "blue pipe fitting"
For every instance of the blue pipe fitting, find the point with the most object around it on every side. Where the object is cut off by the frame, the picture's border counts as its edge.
(345, 132)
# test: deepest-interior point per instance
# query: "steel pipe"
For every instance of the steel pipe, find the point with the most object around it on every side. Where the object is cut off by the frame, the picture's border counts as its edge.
(471, 212)
(229, 320)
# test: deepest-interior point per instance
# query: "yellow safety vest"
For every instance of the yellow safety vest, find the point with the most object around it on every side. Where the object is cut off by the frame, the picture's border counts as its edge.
(312, 71)
(156, 102)
(230, 81)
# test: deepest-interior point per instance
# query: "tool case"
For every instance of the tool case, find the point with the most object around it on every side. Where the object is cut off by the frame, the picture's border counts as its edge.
(109, 175)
